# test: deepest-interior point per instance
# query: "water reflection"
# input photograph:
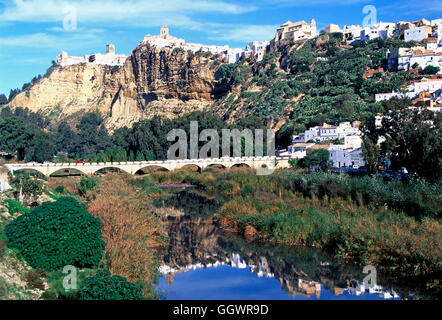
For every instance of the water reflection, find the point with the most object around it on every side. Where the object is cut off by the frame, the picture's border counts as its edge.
(204, 262)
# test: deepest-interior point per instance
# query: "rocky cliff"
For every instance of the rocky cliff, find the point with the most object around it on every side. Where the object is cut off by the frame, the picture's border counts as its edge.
(166, 82)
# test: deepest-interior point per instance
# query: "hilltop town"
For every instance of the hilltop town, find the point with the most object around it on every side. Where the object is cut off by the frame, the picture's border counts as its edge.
(428, 33)
(356, 114)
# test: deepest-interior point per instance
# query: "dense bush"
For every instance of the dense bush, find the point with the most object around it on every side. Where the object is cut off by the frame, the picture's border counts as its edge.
(29, 185)
(57, 234)
(416, 197)
(15, 206)
(103, 286)
(87, 184)
(60, 189)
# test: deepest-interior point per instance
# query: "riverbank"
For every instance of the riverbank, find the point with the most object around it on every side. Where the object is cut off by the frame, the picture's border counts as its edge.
(132, 234)
(390, 224)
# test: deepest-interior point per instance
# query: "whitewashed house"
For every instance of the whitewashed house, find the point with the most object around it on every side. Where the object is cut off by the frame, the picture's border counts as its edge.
(405, 58)
(4, 185)
(328, 132)
(381, 30)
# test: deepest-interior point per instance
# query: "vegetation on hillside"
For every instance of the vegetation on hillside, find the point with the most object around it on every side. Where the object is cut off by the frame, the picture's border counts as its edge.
(57, 234)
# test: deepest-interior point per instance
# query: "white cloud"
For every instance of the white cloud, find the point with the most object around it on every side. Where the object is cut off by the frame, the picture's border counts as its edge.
(110, 12)
(45, 40)
(244, 33)
(306, 3)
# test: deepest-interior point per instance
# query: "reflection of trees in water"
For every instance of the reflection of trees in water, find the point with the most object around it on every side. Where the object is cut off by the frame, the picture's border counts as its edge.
(199, 242)
(195, 240)
(193, 202)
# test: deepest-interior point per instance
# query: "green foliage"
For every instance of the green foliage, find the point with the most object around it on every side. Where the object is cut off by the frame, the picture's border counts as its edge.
(60, 189)
(430, 70)
(147, 184)
(15, 206)
(417, 197)
(29, 185)
(302, 58)
(57, 234)
(87, 184)
(41, 148)
(293, 163)
(414, 141)
(317, 159)
(103, 286)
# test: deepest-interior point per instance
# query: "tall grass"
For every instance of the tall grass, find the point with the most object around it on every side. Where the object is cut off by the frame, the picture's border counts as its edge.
(132, 233)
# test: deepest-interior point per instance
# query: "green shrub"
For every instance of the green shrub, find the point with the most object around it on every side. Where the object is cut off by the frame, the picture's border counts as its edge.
(15, 206)
(57, 234)
(29, 185)
(248, 189)
(60, 189)
(87, 184)
(103, 286)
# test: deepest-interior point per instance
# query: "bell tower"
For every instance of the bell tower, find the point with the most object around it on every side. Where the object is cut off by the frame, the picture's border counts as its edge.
(164, 32)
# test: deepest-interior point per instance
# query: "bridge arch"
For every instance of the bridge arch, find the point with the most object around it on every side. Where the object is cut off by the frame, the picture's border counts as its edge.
(30, 171)
(97, 169)
(152, 167)
(189, 166)
(240, 165)
(64, 169)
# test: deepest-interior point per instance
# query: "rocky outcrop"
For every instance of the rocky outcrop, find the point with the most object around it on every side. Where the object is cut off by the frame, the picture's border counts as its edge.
(167, 82)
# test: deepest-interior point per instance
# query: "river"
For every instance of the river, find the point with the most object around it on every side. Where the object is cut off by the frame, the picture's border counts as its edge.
(203, 261)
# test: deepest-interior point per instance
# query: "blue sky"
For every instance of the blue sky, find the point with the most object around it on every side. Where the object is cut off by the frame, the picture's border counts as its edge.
(32, 33)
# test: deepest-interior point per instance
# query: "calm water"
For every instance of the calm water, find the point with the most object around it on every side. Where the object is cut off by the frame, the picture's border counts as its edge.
(205, 262)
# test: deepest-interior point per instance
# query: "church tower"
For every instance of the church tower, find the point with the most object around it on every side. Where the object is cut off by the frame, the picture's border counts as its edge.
(164, 32)
(313, 27)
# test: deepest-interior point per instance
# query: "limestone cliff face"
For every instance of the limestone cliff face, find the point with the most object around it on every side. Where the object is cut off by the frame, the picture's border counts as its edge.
(167, 82)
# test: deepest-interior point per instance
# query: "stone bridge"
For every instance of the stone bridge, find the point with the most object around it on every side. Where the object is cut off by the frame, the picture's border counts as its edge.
(48, 169)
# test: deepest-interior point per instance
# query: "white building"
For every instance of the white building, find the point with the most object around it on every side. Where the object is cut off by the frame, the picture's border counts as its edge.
(347, 158)
(432, 86)
(327, 132)
(381, 30)
(352, 33)
(165, 40)
(258, 48)
(418, 34)
(348, 154)
(109, 58)
(405, 58)
(296, 31)
(4, 185)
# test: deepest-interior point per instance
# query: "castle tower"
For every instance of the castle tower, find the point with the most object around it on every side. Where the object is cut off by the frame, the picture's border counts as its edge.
(110, 48)
(164, 32)
(313, 27)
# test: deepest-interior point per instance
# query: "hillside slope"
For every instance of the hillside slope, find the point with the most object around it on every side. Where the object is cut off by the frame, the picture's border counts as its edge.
(296, 85)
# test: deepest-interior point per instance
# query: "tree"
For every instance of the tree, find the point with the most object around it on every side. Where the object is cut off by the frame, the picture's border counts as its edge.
(3, 99)
(318, 158)
(29, 186)
(293, 163)
(371, 153)
(414, 141)
(57, 234)
(41, 148)
(15, 136)
(103, 286)
(92, 134)
(87, 184)
(430, 70)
